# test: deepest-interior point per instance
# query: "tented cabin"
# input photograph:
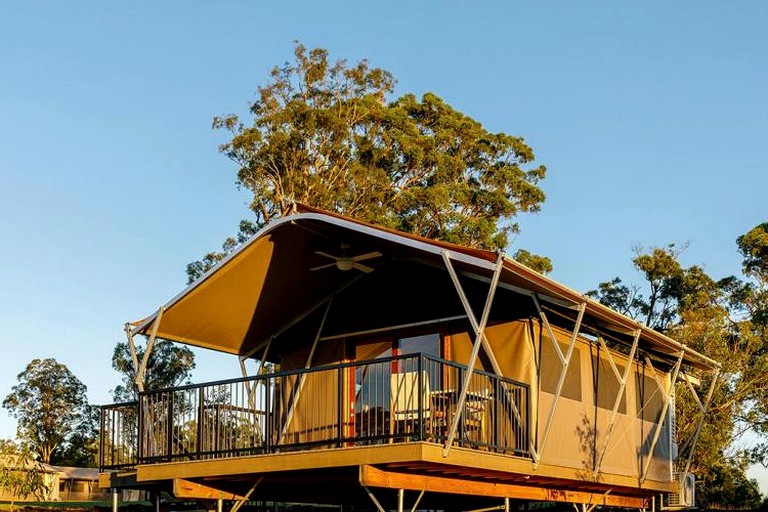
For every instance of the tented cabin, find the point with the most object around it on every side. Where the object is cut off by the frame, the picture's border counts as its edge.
(383, 370)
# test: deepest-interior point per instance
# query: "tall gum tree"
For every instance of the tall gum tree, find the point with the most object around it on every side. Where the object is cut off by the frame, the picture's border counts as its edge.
(49, 403)
(725, 319)
(168, 365)
(331, 135)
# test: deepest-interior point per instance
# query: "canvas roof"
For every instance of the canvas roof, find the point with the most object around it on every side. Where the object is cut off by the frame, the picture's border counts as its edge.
(266, 289)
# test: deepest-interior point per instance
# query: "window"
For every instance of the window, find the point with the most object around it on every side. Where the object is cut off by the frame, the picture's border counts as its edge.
(648, 398)
(428, 344)
(551, 369)
(608, 386)
(372, 380)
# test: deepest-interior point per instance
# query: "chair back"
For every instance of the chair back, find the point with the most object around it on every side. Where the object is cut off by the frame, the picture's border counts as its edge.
(405, 398)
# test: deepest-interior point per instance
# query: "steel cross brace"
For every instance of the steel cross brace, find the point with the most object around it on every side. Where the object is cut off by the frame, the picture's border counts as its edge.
(565, 361)
(704, 408)
(479, 335)
(303, 376)
(666, 395)
(622, 385)
(251, 387)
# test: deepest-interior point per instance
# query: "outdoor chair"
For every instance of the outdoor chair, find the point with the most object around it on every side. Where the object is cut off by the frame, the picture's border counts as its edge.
(404, 406)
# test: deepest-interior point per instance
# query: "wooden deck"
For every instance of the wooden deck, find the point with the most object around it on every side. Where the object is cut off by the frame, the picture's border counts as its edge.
(340, 475)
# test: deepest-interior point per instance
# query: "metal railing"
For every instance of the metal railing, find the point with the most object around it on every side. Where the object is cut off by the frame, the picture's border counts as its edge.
(118, 440)
(386, 400)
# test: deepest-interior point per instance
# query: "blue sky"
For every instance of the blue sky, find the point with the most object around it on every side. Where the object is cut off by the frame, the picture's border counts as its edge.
(650, 116)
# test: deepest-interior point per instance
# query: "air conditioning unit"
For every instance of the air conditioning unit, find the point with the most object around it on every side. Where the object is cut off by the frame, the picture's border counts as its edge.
(686, 495)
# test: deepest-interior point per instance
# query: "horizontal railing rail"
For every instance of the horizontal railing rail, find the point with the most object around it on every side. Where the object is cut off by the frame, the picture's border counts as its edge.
(386, 400)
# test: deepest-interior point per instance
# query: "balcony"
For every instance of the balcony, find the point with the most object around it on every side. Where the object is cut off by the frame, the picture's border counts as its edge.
(400, 399)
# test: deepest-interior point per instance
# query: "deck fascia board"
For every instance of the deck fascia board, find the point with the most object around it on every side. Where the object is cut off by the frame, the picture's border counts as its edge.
(400, 453)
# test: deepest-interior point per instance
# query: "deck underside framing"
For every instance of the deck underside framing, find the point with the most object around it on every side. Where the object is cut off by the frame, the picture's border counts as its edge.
(466, 473)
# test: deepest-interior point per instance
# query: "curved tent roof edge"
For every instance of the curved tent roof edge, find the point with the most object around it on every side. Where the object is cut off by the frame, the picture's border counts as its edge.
(478, 258)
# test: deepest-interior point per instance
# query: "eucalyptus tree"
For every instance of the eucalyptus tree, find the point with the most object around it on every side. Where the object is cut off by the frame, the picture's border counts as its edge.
(49, 403)
(725, 319)
(168, 365)
(333, 136)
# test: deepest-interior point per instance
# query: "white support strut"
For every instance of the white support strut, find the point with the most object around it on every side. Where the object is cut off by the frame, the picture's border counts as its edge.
(704, 410)
(565, 360)
(479, 335)
(494, 362)
(622, 386)
(150, 345)
(666, 395)
(247, 496)
(373, 499)
(132, 347)
(303, 376)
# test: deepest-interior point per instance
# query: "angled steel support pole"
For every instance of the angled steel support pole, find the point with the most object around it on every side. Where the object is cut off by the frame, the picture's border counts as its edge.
(418, 500)
(247, 496)
(303, 376)
(665, 408)
(373, 499)
(565, 361)
(704, 409)
(492, 358)
(150, 345)
(132, 347)
(622, 385)
(301, 316)
(479, 335)
(252, 387)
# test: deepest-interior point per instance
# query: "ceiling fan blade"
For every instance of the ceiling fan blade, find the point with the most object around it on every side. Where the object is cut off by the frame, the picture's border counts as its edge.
(327, 255)
(366, 256)
(323, 266)
(362, 268)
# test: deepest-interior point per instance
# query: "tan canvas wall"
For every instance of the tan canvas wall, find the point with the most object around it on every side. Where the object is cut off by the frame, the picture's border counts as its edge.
(512, 346)
(515, 352)
(570, 439)
(649, 403)
(315, 403)
(620, 456)
(578, 431)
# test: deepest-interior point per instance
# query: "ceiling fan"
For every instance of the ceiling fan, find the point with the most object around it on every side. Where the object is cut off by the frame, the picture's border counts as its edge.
(345, 262)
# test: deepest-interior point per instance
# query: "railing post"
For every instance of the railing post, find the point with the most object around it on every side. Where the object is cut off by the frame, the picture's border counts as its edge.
(341, 402)
(101, 438)
(496, 424)
(169, 434)
(216, 422)
(267, 413)
(200, 420)
(139, 429)
(420, 384)
(526, 392)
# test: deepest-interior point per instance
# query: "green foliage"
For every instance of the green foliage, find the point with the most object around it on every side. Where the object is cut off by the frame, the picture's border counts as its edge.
(753, 245)
(82, 447)
(540, 264)
(168, 365)
(49, 403)
(21, 476)
(330, 135)
(726, 320)
(727, 484)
